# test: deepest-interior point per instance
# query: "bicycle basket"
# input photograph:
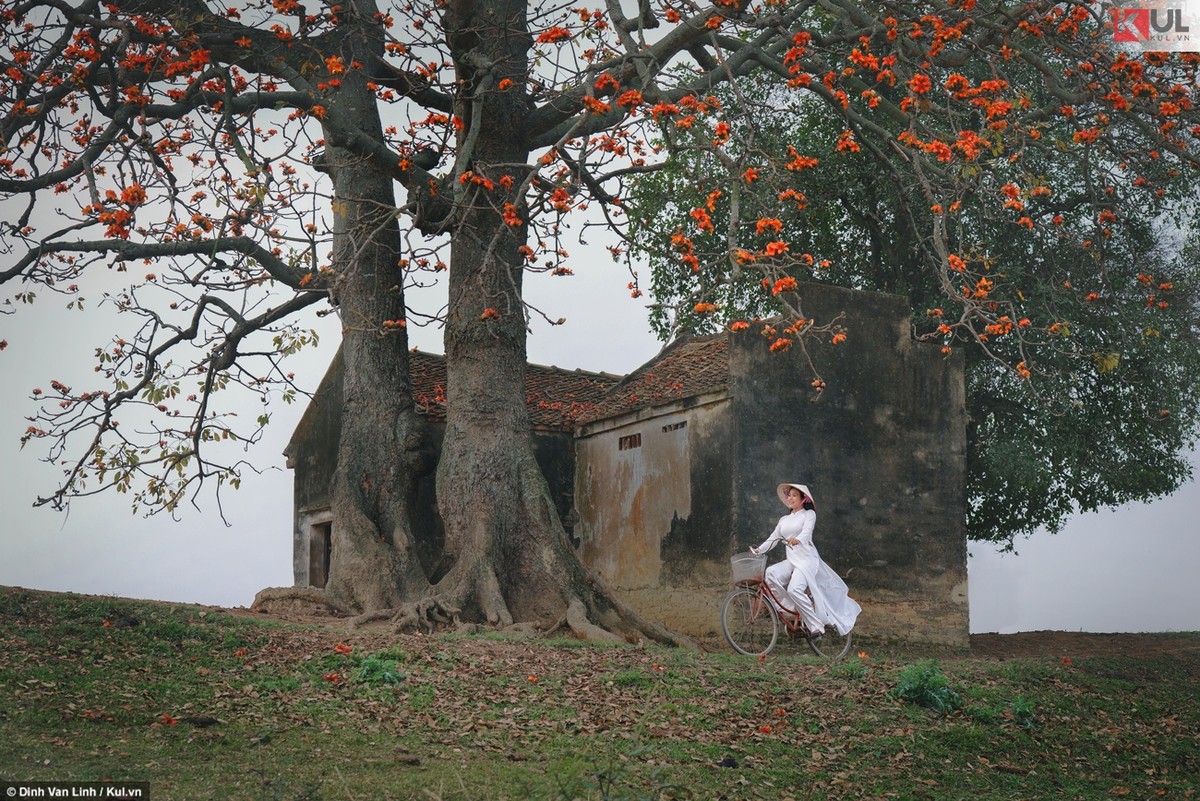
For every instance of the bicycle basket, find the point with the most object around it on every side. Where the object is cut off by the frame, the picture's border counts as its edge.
(748, 568)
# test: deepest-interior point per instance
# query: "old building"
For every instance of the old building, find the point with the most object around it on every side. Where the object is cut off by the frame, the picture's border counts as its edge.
(662, 475)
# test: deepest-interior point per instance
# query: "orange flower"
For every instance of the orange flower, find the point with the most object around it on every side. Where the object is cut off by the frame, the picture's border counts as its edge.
(606, 81)
(839, 338)
(342, 648)
(766, 224)
(167, 720)
(133, 195)
(780, 345)
(776, 248)
(740, 325)
(785, 284)
(555, 34)
(505, 83)
(704, 308)
(920, 84)
(511, 217)
(630, 98)
(800, 162)
(703, 221)
(489, 314)
(764, 728)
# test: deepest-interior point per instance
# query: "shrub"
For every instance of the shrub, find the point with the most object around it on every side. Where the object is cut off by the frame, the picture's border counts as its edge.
(924, 684)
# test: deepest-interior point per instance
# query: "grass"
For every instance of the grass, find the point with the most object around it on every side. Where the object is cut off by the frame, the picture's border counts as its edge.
(204, 705)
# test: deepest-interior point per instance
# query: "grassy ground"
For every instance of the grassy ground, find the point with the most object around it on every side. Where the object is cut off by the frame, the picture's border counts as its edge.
(204, 705)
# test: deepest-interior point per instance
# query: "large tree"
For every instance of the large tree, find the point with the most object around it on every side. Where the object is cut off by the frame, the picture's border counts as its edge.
(246, 158)
(233, 165)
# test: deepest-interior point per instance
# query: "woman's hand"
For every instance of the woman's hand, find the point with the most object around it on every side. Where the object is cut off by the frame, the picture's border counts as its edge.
(754, 550)
(794, 541)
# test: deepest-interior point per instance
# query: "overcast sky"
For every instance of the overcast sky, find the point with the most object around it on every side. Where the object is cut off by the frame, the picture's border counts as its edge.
(1130, 570)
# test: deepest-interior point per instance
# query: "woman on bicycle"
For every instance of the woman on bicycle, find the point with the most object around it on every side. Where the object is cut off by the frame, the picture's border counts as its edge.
(815, 591)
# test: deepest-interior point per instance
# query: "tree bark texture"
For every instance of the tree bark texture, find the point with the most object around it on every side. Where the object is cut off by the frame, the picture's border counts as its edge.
(384, 447)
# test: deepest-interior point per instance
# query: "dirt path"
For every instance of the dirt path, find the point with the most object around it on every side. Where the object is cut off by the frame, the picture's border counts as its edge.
(1068, 644)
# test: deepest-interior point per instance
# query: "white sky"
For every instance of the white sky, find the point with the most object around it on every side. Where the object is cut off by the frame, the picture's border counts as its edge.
(1129, 570)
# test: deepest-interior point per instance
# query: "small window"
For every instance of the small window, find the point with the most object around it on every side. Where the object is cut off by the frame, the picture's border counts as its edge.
(629, 442)
(675, 426)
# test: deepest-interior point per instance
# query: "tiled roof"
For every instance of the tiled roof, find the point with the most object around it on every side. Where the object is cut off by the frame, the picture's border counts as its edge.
(556, 398)
(684, 369)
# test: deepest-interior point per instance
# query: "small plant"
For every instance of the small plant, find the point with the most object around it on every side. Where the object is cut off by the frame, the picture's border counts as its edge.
(925, 685)
(380, 669)
(850, 669)
(1022, 712)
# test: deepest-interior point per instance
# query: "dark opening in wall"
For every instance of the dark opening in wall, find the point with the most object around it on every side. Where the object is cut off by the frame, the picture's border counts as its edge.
(629, 441)
(320, 543)
(675, 426)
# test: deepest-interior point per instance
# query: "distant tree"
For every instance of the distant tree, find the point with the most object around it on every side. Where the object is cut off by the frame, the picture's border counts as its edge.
(1029, 188)
(230, 165)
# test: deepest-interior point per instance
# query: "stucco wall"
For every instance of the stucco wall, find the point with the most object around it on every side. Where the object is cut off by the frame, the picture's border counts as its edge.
(312, 455)
(651, 516)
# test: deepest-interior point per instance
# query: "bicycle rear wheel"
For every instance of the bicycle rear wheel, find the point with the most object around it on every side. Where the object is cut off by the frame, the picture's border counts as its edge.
(831, 644)
(750, 624)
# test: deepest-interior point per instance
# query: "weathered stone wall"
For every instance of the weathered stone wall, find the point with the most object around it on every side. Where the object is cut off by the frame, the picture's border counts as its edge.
(883, 449)
(312, 456)
(652, 515)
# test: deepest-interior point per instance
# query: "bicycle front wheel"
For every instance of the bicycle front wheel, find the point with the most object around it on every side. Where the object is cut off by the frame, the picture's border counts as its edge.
(750, 624)
(831, 644)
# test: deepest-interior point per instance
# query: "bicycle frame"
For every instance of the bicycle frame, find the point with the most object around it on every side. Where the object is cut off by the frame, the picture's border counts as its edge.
(791, 618)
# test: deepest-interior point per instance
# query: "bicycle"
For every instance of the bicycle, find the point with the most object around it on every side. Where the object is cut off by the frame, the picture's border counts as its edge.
(752, 614)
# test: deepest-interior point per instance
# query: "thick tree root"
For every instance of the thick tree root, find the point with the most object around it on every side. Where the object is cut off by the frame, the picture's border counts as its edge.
(276, 598)
(585, 629)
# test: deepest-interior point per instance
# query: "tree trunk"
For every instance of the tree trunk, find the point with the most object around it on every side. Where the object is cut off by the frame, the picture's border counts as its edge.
(510, 557)
(384, 446)
(503, 537)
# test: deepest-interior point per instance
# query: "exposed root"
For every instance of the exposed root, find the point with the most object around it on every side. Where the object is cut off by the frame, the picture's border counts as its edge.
(426, 615)
(358, 621)
(272, 599)
(584, 629)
